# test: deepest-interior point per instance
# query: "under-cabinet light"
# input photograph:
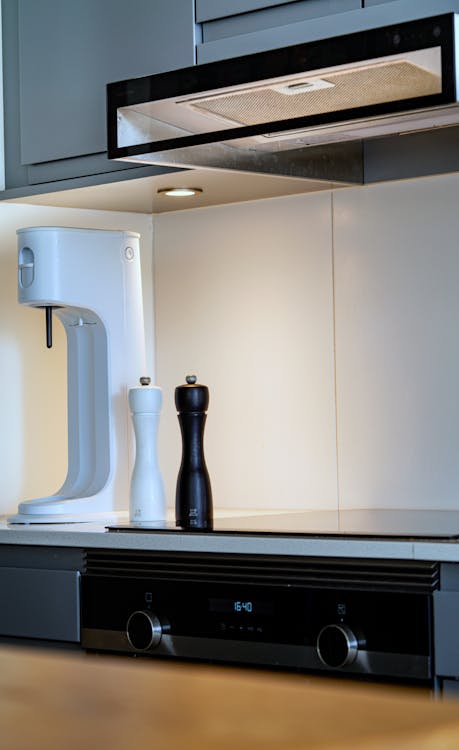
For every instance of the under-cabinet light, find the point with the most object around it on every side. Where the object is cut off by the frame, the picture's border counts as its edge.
(180, 192)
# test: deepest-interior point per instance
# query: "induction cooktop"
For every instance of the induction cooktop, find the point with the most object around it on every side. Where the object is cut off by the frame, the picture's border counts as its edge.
(369, 523)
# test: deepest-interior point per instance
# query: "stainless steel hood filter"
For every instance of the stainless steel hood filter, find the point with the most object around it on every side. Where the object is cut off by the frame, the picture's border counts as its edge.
(342, 90)
(297, 111)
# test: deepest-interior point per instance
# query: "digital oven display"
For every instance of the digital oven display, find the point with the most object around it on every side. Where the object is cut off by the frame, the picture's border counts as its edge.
(242, 606)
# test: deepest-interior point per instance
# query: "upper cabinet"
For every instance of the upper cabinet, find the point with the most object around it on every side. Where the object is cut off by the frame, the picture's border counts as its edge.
(209, 9)
(243, 27)
(58, 57)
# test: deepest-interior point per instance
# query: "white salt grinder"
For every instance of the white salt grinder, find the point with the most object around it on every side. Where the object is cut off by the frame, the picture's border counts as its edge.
(147, 501)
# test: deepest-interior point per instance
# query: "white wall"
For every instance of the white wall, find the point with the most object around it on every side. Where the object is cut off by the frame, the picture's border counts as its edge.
(244, 300)
(397, 344)
(33, 408)
(276, 308)
(247, 296)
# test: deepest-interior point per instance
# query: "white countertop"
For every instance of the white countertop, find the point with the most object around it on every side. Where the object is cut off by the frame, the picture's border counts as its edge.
(95, 535)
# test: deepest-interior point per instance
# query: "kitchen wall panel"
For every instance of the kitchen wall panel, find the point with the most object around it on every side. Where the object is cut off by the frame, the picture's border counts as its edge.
(244, 300)
(33, 408)
(397, 355)
(244, 297)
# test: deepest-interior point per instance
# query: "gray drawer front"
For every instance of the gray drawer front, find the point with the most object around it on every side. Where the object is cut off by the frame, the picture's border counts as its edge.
(40, 604)
(207, 10)
(449, 572)
(446, 630)
(368, 3)
(450, 689)
(332, 18)
(273, 17)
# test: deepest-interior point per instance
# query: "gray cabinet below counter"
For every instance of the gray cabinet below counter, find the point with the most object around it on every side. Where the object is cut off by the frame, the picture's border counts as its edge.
(40, 593)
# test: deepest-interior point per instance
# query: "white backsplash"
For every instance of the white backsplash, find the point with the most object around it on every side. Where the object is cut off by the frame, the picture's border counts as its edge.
(397, 344)
(245, 297)
(279, 310)
(2, 119)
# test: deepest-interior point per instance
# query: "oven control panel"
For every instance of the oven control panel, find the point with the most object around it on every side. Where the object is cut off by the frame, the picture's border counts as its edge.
(286, 624)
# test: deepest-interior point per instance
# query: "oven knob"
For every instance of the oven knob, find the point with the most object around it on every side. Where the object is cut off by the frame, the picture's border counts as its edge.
(143, 630)
(337, 646)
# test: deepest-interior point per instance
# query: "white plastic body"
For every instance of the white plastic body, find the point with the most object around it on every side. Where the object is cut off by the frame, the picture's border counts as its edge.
(92, 278)
(147, 500)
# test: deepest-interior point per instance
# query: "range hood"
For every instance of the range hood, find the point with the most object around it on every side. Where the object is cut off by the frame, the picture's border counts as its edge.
(299, 111)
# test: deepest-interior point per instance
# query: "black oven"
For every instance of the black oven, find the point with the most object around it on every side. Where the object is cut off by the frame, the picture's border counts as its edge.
(364, 618)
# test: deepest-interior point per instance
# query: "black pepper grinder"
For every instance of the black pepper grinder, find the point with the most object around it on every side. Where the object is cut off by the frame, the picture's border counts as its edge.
(193, 500)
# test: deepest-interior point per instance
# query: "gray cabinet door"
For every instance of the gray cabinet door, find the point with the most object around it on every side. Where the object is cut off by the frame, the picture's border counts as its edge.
(247, 17)
(279, 24)
(70, 49)
(209, 9)
(40, 604)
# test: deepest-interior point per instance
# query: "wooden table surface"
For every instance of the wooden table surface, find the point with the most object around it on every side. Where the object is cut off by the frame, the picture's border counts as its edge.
(55, 701)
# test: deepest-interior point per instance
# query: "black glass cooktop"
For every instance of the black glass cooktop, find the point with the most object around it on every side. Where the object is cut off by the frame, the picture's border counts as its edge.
(397, 524)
